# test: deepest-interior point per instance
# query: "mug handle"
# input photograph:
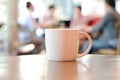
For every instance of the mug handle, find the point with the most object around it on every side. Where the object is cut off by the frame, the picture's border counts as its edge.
(90, 44)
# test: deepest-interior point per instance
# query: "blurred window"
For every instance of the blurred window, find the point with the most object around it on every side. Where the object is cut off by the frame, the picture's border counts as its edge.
(64, 7)
(118, 5)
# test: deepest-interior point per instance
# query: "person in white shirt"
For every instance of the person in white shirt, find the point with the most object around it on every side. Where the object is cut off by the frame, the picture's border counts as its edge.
(27, 32)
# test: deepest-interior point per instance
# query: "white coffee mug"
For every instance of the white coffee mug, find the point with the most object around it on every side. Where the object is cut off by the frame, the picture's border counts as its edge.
(63, 44)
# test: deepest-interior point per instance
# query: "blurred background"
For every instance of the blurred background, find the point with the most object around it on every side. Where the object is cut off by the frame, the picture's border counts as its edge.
(19, 37)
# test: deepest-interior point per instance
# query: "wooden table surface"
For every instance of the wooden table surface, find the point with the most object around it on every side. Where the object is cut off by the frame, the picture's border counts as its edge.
(36, 67)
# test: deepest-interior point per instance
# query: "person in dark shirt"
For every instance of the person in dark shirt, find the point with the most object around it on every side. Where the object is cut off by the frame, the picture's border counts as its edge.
(107, 25)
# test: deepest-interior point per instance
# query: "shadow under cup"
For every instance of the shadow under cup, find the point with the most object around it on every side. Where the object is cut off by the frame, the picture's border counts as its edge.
(62, 44)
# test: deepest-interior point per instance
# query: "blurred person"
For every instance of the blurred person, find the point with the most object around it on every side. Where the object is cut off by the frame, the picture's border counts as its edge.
(50, 18)
(78, 21)
(27, 32)
(79, 18)
(49, 21)
(114, 43)
(107, 24)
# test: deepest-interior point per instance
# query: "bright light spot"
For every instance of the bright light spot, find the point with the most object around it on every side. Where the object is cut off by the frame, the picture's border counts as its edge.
(27, 48)
(39, 32)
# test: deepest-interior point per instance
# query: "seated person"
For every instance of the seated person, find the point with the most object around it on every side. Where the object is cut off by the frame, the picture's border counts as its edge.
(114, 43)
(49, 21)
(50, 18)
(27, 33)
(27, 30)
(79, 19)
(107, 24)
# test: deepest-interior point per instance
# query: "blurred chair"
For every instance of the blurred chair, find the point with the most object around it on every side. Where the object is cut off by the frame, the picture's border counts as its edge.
(2, 39)
(107, 51)
(32, 46)
(118, 46)
(1, 25)
(65, 23)
(29, 48)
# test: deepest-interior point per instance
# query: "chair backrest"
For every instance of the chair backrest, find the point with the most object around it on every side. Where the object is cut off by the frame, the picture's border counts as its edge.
(117, 15)
(118, 45)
